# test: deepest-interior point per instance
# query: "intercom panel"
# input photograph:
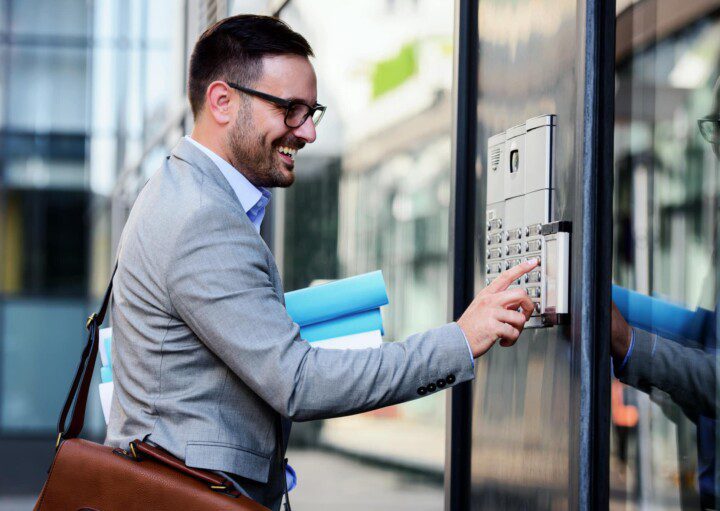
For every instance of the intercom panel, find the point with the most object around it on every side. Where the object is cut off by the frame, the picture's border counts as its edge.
(519, 217)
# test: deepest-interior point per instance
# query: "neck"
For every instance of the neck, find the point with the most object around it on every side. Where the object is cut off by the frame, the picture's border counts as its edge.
(211, 142)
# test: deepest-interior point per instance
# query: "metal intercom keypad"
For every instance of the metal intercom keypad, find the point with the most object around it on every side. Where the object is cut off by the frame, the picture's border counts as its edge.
(519, 225)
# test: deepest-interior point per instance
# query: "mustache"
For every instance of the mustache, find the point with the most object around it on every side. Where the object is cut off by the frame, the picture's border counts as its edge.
(292, 143)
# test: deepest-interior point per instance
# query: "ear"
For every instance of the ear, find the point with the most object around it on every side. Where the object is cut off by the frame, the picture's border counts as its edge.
(219, 101)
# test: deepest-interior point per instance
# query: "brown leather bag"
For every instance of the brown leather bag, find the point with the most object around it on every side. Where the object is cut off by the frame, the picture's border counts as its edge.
(86, 476)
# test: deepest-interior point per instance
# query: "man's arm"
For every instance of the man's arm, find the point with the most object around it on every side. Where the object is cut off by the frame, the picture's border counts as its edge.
(219, 285)
(644, 360)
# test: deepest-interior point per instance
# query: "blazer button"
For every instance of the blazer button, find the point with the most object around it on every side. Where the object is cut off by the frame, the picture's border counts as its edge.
(431, 387)
(441, 383)
(422, 391)
(450, 378)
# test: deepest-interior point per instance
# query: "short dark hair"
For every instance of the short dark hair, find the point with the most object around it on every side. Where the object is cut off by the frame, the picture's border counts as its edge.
(233, 48)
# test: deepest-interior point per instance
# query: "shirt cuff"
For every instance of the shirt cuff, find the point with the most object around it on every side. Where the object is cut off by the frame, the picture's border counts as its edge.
(472, 359)
(290, 477)
(627, 355)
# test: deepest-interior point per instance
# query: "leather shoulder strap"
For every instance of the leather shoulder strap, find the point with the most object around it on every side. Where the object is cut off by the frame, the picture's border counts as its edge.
(81, 383)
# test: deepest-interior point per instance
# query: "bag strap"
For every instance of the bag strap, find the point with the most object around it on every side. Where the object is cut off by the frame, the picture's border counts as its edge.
(79, 392)
(81, 384)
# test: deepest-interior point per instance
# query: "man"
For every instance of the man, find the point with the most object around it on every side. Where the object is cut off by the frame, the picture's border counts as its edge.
(686, 372)
(206, 358)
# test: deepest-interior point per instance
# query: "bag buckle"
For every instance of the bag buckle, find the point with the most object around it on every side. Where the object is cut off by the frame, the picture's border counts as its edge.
(92, 317)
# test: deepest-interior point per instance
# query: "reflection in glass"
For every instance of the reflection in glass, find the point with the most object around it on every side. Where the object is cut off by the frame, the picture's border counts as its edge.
(666, 217)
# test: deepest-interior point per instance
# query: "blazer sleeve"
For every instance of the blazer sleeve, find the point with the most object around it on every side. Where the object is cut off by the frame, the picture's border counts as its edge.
(686, 373)
(219, 284)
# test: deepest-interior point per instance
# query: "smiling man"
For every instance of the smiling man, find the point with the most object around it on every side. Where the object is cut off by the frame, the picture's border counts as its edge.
(207, 363)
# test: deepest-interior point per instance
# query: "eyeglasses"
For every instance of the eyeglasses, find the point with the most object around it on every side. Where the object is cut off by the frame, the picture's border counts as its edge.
(710, 128)
(296, 112)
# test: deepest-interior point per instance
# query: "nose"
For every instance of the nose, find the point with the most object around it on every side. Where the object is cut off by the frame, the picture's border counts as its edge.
(306, 131)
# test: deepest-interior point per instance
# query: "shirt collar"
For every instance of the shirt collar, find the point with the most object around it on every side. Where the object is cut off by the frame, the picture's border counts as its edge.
(252, 199)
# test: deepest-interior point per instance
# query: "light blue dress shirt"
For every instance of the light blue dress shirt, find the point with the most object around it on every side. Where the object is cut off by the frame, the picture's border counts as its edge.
(253, 200)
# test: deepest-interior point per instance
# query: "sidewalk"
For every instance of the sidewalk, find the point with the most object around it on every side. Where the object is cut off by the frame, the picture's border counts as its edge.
(392, 441)
(331, 481)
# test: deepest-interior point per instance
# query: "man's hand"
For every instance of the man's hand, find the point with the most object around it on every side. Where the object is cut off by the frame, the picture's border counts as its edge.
(621, 335)
(493, 314)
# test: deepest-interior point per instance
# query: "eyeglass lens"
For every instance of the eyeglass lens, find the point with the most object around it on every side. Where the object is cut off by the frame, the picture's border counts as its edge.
(298, 113)
(710, 129)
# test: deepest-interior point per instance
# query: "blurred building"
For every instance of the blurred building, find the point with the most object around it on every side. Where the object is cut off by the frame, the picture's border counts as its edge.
(45, 207)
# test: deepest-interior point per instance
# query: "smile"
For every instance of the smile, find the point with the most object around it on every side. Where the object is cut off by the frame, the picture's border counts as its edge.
(288, 151)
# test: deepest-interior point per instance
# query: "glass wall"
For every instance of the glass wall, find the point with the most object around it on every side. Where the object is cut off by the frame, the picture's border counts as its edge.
(44, 199)
(663, 453)
(373, 191)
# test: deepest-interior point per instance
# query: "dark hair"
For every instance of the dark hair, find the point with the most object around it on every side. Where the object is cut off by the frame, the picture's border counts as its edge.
(233, 48)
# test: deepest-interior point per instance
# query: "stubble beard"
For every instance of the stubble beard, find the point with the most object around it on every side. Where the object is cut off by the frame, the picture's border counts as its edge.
(254, 156)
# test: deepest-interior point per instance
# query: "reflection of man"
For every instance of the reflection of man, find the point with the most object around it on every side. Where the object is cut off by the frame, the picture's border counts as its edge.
(206, 358)
(644, 360)
(687, 373)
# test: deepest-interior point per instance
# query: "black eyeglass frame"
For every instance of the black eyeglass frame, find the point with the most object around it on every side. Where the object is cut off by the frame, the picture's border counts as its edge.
(714, 121)
(287, 104)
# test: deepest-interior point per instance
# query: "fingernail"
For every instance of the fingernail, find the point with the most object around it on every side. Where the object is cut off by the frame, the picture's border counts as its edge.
(532, 262)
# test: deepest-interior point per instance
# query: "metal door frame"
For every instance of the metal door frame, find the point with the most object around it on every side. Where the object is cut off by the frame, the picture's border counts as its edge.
(589, 466)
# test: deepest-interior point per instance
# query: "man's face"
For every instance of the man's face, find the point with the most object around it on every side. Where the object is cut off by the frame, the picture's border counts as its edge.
(259, 139)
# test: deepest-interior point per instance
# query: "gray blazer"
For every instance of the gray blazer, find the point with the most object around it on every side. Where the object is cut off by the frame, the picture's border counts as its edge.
(204, 352)
(688, 374)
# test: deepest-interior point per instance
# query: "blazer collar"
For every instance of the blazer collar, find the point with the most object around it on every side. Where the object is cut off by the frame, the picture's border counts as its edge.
(186, 151)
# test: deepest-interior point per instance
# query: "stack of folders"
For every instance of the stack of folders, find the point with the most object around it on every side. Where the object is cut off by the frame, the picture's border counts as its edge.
(343, 314)
(106, 386)
(664, 318)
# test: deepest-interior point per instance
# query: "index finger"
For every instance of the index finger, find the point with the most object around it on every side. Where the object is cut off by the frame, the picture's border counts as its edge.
(507, 277)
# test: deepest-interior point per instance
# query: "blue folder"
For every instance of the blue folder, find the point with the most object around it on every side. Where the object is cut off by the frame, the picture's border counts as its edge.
(661, 317)
(106, 374)
(336, 299)
(345, 325)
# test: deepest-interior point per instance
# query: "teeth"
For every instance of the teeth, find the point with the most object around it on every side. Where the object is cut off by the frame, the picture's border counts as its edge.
(287, 150)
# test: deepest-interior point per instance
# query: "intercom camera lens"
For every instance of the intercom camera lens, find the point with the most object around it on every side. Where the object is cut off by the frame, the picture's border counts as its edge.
(514, 161)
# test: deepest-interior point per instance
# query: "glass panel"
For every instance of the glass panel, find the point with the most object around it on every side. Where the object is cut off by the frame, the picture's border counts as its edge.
(49, 17)
(44, 161)
(47, 89)
(45, 243)
(663, 453)
(525, 429)
(3, 16)
(40, 347)
(373, 191)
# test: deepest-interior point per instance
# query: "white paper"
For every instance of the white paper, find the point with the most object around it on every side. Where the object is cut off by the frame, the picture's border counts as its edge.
(106, 394)
(363, 340)
(105, 333)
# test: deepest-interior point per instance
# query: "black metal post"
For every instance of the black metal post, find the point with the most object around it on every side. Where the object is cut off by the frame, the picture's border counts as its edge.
(462, 218)
(597, 190)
